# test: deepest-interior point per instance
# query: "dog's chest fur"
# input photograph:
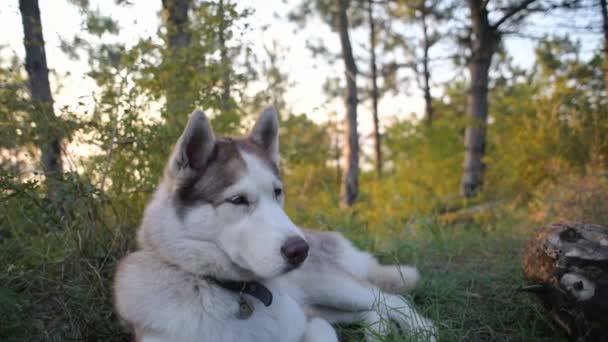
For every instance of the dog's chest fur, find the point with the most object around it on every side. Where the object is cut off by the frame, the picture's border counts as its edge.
(158, 297)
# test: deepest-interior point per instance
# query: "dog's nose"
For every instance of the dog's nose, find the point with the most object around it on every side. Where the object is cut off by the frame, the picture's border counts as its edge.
(295, 250)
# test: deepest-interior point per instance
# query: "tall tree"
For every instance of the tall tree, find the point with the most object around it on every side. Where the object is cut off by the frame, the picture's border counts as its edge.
(334, 13)
(484, 41)
(427, 18)
(225, 97)
(604, 11)
(350, 179)
(176, 18)
(48, 132)
(428, 40)
(175, 14)
(426, 75)
(374, 80)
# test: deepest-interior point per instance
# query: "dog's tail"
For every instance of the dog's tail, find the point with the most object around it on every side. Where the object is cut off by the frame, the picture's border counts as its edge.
(394, 278)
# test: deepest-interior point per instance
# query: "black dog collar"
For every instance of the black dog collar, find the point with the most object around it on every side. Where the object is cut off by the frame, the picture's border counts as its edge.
(252, 288)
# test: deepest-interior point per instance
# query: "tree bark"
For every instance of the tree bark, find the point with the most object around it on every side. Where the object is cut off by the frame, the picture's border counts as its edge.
(604, 11)
(48, 132)
(374, 69)
(426, 74)
(350, 181)
(225, 97)
(484, 44)
(175, 13)
(176, 17)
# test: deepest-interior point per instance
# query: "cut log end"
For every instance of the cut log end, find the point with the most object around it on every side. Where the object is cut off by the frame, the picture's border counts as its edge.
(566, 266)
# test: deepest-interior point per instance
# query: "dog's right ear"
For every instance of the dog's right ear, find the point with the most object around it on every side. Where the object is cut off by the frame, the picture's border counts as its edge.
(194, 147)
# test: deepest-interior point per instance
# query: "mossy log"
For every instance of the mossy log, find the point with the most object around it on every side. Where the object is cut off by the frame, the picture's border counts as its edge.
(566, 266)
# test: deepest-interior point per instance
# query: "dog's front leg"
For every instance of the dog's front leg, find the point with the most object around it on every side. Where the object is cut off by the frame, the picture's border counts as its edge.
(350, 297)
(319, 330)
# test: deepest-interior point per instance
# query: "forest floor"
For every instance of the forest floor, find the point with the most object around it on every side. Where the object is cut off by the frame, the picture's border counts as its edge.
(470, 280)
(470, 276)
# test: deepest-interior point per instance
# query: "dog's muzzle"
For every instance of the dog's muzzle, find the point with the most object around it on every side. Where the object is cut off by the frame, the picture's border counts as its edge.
(295, 250)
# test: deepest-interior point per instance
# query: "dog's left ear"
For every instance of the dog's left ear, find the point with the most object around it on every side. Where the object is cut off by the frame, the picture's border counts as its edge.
(265, 133)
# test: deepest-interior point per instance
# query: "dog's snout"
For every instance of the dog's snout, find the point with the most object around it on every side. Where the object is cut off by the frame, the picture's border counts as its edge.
(295, 250)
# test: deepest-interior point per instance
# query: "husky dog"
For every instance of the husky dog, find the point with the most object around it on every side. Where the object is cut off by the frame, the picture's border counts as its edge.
(220, 261)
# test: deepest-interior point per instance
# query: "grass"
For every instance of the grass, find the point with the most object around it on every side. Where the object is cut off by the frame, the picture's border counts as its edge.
(472, 295)
(56, 287)
(470, 276)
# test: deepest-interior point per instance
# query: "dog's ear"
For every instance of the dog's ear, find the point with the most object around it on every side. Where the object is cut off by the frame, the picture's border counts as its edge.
(194, 147)
(265, 133)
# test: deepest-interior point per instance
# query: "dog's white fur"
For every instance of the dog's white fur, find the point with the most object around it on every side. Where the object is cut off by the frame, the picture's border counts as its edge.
(163, 290)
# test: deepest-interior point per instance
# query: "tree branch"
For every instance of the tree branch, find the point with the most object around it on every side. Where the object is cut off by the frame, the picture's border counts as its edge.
(525, 5)
(513, 11)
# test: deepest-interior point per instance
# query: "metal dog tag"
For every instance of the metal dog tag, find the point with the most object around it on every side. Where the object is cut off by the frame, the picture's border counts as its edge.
(245, 308)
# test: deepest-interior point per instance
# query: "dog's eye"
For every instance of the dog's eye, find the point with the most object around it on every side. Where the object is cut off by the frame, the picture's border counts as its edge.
(278, 192)
(238, 200)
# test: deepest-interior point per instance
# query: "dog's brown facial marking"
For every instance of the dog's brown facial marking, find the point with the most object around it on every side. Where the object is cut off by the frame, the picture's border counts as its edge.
(224, 167)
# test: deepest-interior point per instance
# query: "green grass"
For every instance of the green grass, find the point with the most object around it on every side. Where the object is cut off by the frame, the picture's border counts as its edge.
(472, 295)
(470, 276)
(55, 287)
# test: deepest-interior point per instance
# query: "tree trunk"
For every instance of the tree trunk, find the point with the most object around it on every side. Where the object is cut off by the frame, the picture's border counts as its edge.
(484, 44)
(176, 16)
(48, 132)
(605, 30)
(175, 13)
(475, 134)
(373, 67)
(225, 97)
(425, 69)
(350, 181)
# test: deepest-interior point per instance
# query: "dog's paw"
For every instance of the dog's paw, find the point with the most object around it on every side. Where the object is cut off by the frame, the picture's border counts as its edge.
(400, 311)
(395, 278)
(319, 329)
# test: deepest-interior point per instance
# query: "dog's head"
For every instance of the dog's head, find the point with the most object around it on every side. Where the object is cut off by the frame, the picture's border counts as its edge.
(221, 203)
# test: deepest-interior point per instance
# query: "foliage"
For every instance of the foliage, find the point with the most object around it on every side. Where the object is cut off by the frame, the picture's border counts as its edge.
(56, 272)
(16, 134)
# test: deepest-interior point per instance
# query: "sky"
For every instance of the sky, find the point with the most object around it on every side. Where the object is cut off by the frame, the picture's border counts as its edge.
(142, 19)
(60, 19)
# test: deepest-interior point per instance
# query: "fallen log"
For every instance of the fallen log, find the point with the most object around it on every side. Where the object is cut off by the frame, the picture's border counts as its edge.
(468, 213)
(566, 266)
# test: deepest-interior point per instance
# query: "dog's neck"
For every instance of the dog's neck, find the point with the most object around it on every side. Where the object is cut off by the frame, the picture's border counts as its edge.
(252, 288)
